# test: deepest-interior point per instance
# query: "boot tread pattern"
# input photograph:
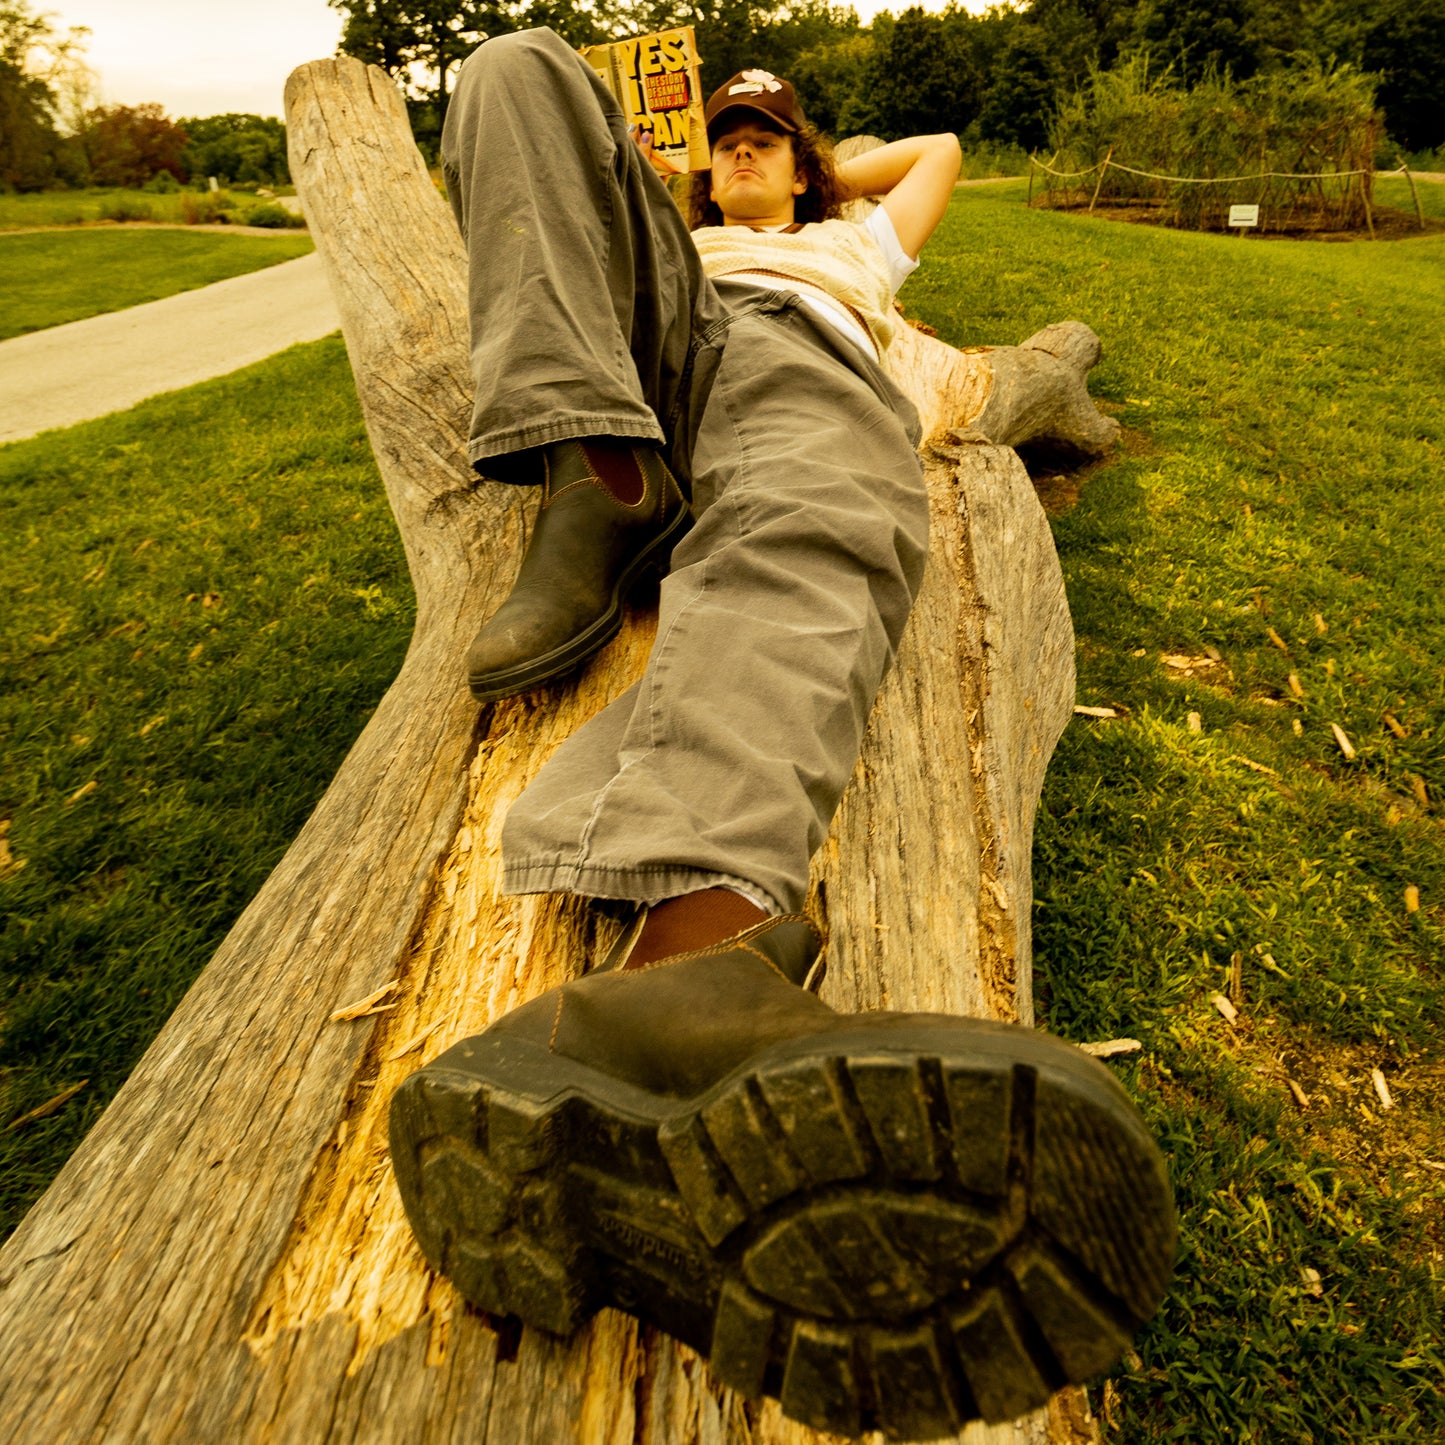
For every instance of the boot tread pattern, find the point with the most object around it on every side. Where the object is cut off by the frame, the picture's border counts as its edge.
(891, 1243)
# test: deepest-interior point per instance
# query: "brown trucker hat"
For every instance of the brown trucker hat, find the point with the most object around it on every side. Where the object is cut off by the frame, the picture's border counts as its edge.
(756, 90)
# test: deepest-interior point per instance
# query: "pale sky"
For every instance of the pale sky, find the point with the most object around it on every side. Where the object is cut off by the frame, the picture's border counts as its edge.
(205, 57)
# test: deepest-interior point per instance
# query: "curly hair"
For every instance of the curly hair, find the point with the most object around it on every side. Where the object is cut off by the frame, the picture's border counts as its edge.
(812, 159)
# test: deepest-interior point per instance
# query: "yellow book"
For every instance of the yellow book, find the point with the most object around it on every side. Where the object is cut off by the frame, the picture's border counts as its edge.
(658, 83)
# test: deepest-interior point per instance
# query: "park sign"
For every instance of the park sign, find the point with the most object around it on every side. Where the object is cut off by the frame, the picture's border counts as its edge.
(1244, 215)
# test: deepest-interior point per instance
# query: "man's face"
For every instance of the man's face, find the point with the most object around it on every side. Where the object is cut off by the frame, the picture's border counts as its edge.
(752, 173)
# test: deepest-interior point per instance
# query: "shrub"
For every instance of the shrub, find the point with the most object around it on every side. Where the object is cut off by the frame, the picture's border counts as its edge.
(163, 183)
(207, 208)
(274, 217)
(983, 160)
(126, 208)
(1311, 120)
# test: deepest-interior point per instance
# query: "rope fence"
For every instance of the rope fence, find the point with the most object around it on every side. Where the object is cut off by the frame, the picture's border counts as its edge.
(1100, 168)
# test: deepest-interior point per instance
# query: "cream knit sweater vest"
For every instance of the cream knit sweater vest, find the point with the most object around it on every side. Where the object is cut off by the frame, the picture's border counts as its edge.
(836, 257)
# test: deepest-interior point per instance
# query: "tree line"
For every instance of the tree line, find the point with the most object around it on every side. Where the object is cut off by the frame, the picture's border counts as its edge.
(54, 132)
(997, 78)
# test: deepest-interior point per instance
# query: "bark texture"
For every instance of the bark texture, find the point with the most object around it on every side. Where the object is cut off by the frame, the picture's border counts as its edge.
(225, 1257)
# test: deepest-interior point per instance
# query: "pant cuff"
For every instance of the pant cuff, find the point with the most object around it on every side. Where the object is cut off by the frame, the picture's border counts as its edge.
(541, 434)
(649, 884)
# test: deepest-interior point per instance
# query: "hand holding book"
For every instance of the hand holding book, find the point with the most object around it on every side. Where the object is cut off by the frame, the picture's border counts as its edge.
(660, 163)
(657, 81)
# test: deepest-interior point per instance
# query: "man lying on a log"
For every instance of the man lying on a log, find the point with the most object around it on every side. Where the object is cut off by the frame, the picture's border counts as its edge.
(937, 1220)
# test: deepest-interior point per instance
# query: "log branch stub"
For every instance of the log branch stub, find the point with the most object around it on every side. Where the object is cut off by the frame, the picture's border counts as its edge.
(225, 1256)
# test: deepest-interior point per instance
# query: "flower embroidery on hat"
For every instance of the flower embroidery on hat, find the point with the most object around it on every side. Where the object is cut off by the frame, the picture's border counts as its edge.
(754, 82)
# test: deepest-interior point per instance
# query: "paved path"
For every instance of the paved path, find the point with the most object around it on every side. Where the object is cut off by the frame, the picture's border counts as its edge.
(85, 369)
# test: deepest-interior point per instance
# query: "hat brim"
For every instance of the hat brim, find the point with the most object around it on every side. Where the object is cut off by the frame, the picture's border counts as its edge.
(735, 105)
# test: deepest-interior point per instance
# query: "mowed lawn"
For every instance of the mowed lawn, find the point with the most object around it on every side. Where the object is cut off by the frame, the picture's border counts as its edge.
(207, 598)
(1263, 554)
(59, 276)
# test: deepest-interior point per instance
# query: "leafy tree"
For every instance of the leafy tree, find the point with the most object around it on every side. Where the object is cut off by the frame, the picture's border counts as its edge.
(1080, 35)
(127, 145)
(834, 82)
(1405, 46)
(33, 57)
(1196, 36)
(421, 42)
(28, 141)
(244, 149)
(925, 80)
(1022, 85)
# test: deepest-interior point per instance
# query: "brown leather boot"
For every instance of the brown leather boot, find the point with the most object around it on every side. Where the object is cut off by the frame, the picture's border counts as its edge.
(888, 1221)
(609, 512)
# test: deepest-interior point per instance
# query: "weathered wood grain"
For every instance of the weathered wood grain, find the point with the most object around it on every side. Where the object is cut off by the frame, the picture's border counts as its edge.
(225, 1257)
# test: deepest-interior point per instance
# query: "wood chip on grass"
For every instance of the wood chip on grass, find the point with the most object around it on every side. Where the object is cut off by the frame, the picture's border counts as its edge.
(1382, 1089)
(50, 1106)
(1343, 739)
(1227, 1009)
(1112, 1048)
(1257, 767)
(1100, 712)
(1300, 1097)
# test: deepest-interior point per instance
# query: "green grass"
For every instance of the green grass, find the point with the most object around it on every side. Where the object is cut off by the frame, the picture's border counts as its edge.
(205, 598)
(1284, 408)
(1283, 411)
(65, 276)
(84, 207)
(1395, 191)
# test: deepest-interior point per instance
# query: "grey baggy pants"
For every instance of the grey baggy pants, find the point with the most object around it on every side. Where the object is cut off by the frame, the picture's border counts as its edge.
(591, 316)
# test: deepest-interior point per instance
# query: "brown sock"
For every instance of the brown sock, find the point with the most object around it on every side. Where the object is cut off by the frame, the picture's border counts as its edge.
(696, 920)
(615, 463)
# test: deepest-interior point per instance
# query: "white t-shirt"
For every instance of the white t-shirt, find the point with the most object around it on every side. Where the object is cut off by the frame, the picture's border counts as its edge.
(901, 266)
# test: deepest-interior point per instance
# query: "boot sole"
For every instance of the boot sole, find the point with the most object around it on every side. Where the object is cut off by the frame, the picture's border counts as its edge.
(901, 1230)
(593, 638)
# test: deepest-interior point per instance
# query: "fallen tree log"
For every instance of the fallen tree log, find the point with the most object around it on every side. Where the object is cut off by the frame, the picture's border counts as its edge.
(225, 1256)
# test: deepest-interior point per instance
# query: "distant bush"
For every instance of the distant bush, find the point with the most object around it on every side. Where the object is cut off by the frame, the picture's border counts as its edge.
(1314, 120)
(207, 208)
(162, 184)
(982, 161)
(274, 217)
(126, 208)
